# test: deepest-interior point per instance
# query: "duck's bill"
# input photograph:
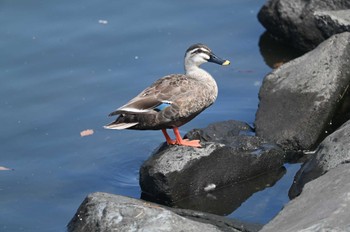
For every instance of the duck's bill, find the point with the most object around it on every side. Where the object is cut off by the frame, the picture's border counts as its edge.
(226, 62)
(217, 60)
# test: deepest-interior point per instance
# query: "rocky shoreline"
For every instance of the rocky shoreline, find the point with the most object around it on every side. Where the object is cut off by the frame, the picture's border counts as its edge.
(304, 109)
(305, 24)
(174, 172)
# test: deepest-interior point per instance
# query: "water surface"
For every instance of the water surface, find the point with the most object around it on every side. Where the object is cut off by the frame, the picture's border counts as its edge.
(65, 65)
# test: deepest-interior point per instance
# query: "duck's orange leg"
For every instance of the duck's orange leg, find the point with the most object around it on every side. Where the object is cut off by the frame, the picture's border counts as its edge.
(167, 137)
(185, 142)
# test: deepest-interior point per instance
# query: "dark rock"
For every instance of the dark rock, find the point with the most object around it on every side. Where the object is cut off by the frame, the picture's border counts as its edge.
(225, 200)
(173, 173)
(223, 223)
(293, 21)
(221, 132)
(333, 151)
(322, 206)
(299, 99)
(333, 22)
(108, 212)
(275, 52)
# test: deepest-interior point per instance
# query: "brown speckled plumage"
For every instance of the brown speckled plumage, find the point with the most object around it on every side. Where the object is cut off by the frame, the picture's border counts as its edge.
(172, 100)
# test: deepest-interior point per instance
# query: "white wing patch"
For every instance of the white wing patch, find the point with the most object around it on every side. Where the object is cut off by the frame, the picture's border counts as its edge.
(134, 110)
(120, 126)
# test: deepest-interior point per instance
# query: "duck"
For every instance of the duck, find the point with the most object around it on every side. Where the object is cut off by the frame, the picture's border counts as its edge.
(172, 100)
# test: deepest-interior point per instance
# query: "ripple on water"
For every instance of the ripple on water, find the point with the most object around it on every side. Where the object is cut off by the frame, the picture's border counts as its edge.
(125, 173)
(126, 159)
(124, 170)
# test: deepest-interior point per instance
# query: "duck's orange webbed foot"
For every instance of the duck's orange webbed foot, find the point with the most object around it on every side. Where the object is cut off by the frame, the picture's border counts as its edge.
(189, 143)
(185, 142)
(179, 141)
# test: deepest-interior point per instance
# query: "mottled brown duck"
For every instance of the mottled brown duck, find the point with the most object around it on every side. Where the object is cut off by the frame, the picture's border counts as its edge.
(173, 100)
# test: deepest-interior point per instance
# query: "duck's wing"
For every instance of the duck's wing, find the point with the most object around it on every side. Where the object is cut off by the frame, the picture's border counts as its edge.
(156, 97)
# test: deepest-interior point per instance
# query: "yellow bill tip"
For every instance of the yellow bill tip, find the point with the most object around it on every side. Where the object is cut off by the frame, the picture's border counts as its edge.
(227, 62)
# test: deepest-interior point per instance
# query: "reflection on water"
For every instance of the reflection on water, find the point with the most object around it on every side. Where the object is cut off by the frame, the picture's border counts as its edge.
(256, 200)
(276, 53)
(126, 173)
(225, 200)
(264, 205)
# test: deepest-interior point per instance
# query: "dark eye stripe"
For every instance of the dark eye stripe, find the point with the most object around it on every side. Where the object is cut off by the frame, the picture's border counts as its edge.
(200, 51)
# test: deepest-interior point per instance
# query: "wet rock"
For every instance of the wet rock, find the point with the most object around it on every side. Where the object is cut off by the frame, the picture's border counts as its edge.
(225, 200)
(299, 99)
(333, 22)
(223, 223)
(221, 132)
(322, 206)
(333, 151)
(294, 21)
(108, 212)
(173, 173)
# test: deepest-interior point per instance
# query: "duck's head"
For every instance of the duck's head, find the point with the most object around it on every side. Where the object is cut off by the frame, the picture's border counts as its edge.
(198, 54)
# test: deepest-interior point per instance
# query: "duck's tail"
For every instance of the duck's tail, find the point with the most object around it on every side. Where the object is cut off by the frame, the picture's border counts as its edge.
(120, 126)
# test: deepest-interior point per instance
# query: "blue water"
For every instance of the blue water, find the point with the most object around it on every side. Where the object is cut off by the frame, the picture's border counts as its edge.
(265, 204)
(65, 65)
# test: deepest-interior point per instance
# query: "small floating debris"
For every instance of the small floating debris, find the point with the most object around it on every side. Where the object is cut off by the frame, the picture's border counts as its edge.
(102, 21)
(86, 132)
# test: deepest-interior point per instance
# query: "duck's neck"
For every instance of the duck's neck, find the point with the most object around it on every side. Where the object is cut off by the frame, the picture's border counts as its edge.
(204, 77)
(196, 72)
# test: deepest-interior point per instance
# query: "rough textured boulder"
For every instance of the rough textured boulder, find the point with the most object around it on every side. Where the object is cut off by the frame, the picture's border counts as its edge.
(333, 22)
(173, 173)
(333, 151)
(109, 212)
(299, 99)
(293, 21)
(223, 223)
(225, 132)
(322, 206)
